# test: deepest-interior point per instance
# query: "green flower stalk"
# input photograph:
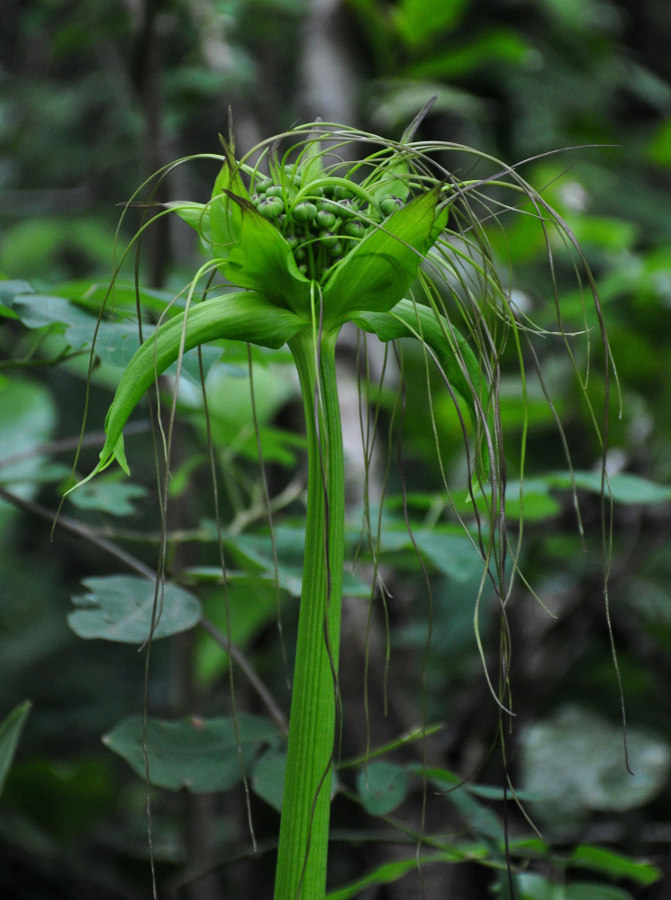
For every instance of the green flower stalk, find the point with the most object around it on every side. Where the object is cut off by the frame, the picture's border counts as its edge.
(310, 243)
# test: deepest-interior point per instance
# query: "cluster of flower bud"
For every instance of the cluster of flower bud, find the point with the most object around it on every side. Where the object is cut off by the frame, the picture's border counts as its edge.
(320, 221)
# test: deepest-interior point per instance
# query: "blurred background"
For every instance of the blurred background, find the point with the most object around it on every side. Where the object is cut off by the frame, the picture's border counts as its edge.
(94, 98)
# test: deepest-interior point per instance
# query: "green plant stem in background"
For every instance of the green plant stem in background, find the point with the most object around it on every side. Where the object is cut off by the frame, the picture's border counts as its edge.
(303, 841)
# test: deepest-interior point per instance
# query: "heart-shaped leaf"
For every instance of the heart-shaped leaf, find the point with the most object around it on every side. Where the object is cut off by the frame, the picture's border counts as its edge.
(119, 608)
(382, 787)
(202, 755)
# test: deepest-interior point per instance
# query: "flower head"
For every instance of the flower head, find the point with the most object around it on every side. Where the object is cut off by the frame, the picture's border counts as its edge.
(307, 229)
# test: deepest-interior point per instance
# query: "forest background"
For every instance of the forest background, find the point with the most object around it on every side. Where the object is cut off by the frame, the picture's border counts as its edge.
(94, 97)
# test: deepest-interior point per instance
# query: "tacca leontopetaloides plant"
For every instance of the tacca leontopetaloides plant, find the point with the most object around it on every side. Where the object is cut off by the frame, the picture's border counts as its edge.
(394, 244)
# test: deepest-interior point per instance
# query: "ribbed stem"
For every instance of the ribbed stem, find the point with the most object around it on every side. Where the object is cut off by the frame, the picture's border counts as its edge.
(304, 828)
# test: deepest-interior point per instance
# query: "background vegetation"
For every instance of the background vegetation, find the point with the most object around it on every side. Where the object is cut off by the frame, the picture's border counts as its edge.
(94, 98)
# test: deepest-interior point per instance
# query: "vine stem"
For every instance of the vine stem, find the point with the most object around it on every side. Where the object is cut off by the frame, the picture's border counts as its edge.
(304, 826)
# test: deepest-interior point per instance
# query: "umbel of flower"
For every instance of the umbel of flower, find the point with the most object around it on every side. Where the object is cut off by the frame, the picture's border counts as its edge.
(308, 246)
(303, 237)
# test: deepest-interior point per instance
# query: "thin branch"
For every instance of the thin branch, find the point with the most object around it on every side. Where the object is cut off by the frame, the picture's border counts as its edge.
(66, 445)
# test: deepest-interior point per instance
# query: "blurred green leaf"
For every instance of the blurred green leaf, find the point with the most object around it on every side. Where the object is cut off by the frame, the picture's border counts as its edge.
(588, 890)
(500, 45)
(573, 763)
(240, 609)
(615, 865)
(388, 873)
(63, 797)
(27, 419)
(417, 20)
(382, 786)
(108, 494)
(659, 149)
(625, 488)
(202, 755)
(268, 777)
(44, 310)
(119, 608)
(10, 732)
(478, 817)
(51, 246)
(536, 887)
(614, 235)
(446, 548)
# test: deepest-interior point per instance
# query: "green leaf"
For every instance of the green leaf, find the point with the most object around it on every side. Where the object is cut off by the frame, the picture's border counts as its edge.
(238, 316)
(536, 887)
(9, 289)
(388, 873)
(573, 762)
(203, 755)
(496, 45)
(127, 297)
(63, 799)
(479, 818)
(625, 488)
(225, 211)
(262, 261)
(108, 495)
(119, 608)
(240, 610)
(43, 310)
(27, 418)
(381, 268)
(607, 233)
(197, 215)
(268, 777)
(10, 732)
(457, 361)
(382, 786)
(615, 865)
(417, 20)
(587, 890)
(448, 549)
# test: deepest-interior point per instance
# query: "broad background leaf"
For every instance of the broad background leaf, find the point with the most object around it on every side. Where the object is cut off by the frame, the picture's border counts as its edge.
(203, 755)
(119, 608)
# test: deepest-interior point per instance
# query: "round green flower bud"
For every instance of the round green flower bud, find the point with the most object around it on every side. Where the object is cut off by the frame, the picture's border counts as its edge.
(342, 193)
(329, 239)
(354, 229)
(304, 212)
(261, 183)
(325, 219)
(274, 190)
(389, 205)
(346, 209)
(270, 207)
